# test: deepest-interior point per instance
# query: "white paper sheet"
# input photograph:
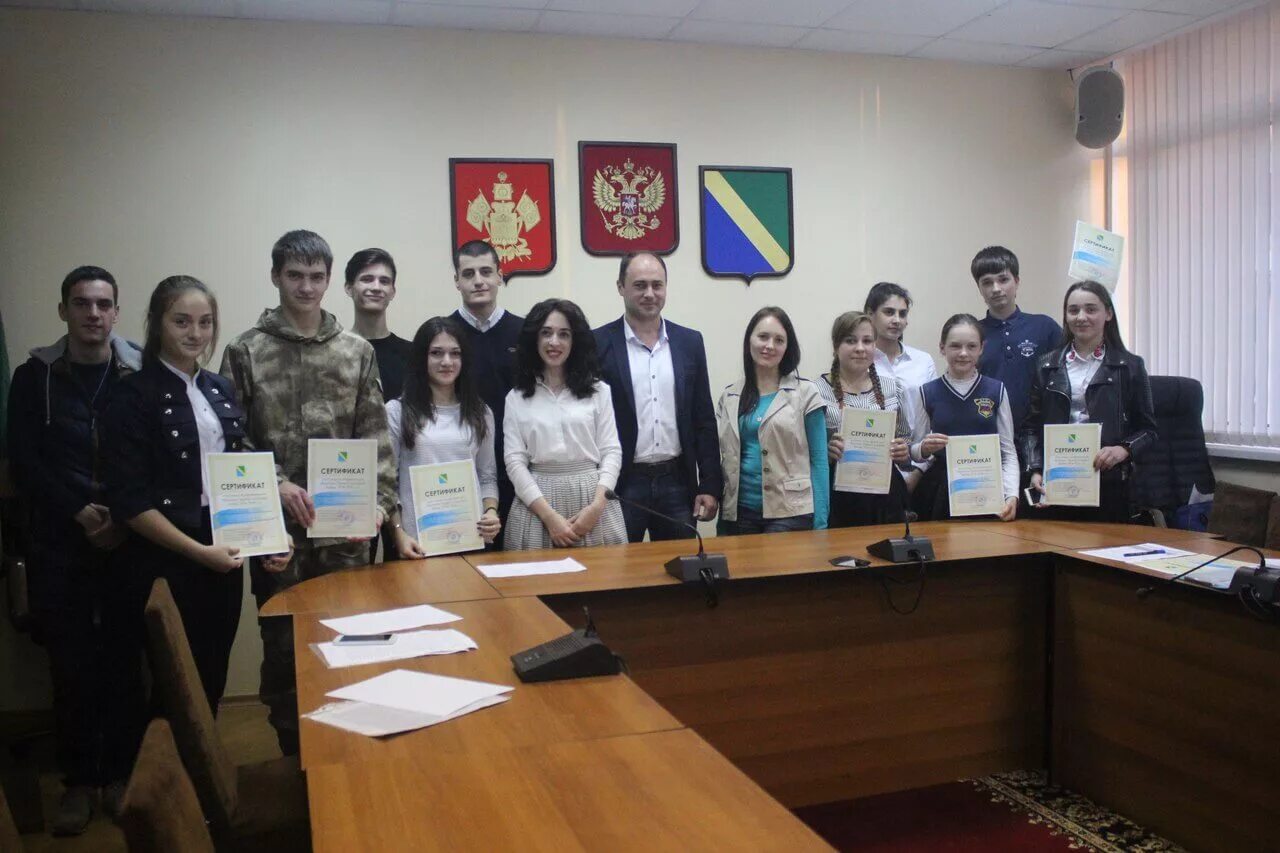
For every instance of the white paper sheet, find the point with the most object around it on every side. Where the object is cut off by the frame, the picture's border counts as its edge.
(379, 721)
(411, 644)
(1137, 554)
(387, 621)
(544, 567)
(420, 692)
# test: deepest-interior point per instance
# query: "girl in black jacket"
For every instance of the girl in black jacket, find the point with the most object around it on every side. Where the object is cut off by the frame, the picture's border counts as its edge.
(1092, 378)
(162, 421)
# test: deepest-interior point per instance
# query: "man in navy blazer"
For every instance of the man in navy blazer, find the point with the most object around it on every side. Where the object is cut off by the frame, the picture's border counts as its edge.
(657, 372)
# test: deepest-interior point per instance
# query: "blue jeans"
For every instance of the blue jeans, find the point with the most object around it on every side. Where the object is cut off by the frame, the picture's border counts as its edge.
(662, 487)
(751, 521)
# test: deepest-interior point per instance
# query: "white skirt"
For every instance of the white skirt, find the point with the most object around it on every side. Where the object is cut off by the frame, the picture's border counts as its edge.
(568, 488)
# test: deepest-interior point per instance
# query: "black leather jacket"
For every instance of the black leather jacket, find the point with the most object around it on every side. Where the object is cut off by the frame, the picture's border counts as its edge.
(1118, 397)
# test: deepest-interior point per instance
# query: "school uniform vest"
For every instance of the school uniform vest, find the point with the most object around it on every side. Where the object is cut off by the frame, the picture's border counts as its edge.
(971, 414)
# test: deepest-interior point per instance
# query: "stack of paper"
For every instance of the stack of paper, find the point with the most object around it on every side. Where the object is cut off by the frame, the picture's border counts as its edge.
(410, 644)
(543, 567)
(387, 621)
(400, 701)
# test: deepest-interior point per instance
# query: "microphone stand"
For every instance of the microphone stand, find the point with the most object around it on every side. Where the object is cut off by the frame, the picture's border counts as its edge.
(704, 567)
(1255, 587)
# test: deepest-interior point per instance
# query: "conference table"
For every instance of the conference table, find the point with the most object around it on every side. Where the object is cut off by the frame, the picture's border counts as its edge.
(807, 683)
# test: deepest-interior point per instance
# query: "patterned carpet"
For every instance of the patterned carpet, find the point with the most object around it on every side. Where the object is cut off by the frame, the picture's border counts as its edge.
(1015, 812)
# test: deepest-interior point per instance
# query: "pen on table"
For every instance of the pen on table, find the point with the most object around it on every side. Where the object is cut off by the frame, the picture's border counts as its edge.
(1145, 553)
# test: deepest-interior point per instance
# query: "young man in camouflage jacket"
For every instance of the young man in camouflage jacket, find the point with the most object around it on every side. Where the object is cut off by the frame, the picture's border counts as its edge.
(299, 376)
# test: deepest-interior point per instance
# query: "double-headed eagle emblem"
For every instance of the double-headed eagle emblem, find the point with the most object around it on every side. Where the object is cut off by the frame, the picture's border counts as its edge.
(618, 191)
(504, 219)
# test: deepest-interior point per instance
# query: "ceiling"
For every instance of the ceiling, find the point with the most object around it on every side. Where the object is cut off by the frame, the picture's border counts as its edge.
(1028, 33)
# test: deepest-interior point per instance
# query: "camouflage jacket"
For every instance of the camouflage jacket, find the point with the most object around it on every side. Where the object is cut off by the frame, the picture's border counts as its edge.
(295, 388)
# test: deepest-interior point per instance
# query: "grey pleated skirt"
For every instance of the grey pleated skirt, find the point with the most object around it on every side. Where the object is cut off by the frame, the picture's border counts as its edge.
(568, 488)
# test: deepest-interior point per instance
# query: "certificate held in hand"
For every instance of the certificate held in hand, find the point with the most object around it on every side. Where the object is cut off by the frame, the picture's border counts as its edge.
(974, 484)
(342, 477)
(1069, 476)
(446, 507)
(244, 503)
(865, 466)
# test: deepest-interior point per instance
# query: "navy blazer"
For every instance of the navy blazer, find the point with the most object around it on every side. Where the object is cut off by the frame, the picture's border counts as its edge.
(695, 413)
(155, 460)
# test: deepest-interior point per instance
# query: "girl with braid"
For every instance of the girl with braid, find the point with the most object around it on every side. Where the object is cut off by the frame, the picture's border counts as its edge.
(854, 383)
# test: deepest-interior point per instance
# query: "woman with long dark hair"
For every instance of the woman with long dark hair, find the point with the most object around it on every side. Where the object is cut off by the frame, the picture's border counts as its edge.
(1092, 378)
(161, 422)
(440, 417)
(559, 436)
(773, 436)
(855, 383)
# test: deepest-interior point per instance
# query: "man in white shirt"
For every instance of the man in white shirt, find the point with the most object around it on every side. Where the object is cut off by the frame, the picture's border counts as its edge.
(666, 421)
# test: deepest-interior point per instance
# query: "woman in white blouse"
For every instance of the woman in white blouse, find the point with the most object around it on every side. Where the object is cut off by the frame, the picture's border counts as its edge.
(559, 436)
(440, 417)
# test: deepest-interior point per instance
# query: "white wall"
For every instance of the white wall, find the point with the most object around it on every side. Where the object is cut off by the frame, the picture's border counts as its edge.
(155, 146)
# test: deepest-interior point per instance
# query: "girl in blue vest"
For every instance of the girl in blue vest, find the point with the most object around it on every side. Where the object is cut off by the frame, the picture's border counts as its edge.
(961, 402)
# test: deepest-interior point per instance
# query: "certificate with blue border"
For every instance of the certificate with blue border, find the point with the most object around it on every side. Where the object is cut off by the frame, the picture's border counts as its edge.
(244, 503)
(446, 507)
(342, 478)
(1069, 476)
(974, 482)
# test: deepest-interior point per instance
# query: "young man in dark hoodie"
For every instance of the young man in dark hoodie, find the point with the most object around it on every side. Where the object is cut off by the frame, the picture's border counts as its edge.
(298, 375)
(77, 591)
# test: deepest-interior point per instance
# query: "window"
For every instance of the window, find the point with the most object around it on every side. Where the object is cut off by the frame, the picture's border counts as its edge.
(1195, 187)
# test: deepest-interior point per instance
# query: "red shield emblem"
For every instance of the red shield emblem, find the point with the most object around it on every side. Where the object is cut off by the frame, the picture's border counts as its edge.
(511, 205)
(628, 197)
(986, 406)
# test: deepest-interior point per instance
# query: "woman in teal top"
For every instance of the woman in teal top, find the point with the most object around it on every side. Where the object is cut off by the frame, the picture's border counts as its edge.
(773, 436)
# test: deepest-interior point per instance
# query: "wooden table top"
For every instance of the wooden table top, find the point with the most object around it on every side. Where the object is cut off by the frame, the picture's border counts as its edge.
(395, 584)
(761, 555)
(661, 791)
(578, 709)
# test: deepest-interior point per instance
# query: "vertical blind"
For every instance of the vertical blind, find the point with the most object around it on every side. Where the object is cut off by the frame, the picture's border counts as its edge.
(1202, 187)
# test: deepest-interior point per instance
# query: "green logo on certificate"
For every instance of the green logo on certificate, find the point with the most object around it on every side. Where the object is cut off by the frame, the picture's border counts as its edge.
(871, 423)
(342, 456)
(1071, 439)
(973, 448)
(442, 480)
(240, 472)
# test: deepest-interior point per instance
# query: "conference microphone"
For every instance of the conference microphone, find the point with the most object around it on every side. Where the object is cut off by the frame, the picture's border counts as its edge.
(1255, 586)
(908, 549)
(699, 567)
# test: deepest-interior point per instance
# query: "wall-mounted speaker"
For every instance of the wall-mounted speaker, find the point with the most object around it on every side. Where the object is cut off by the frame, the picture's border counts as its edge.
(1099, 107)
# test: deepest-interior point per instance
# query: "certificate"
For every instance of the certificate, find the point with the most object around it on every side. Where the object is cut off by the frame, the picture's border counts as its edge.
(974, 482)
(446, 507)
(1069, 476)
(865, 465)
(244, 503)
(342, 477)
(1096, 254)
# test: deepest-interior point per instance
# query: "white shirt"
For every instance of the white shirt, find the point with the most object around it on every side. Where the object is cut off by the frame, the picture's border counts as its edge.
(653, 385)
(1004, 427)
(445, 439)
(481, 325)
(208, 427)
(912, 368)
(1080, 372)
(557, 428)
